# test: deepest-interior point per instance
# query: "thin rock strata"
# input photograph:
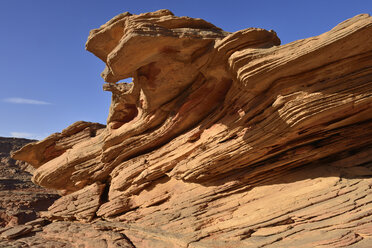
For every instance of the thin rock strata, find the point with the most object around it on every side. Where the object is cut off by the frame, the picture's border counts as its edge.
(80, 205)
(222, 139)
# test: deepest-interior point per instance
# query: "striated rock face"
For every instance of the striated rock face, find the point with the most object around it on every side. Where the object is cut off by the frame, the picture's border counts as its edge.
(223, 139)
(81, 205)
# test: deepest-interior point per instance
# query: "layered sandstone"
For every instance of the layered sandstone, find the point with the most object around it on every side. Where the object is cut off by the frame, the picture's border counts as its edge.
(223, 139)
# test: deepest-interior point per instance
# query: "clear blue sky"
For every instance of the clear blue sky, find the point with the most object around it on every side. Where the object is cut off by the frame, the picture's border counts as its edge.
(48, 81)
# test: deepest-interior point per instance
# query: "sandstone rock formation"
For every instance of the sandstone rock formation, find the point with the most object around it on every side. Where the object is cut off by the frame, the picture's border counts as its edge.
(222, 140)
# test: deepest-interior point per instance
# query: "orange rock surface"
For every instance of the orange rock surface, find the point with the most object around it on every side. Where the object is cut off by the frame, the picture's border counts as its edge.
(223, 139)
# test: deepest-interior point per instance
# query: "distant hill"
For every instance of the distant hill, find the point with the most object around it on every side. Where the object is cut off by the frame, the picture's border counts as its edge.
(7, 145)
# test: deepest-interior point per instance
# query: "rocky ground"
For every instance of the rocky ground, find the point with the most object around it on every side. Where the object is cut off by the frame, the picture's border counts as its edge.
(20, 199)
(318, 206)
(21, 204)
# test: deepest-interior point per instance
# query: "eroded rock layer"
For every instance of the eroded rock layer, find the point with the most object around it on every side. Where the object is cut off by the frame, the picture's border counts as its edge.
(222, 139)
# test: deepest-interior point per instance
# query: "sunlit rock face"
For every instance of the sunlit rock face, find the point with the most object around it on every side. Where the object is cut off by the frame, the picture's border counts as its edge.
(222, 139)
